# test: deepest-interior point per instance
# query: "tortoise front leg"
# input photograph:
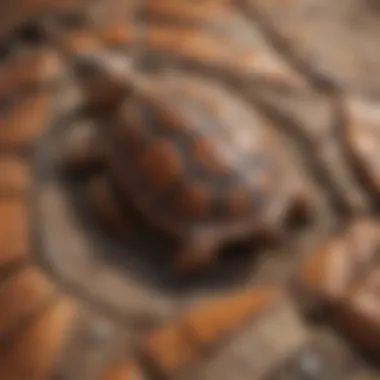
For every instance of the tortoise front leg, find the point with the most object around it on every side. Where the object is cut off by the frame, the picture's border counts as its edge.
(197, 252)
(104, 206)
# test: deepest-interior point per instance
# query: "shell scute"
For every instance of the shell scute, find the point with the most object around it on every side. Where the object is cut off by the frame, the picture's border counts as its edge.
(203, 152)
(163, 152)
(193, 201)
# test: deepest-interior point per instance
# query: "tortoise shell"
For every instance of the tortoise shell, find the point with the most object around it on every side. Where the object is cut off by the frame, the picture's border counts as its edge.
(193, 156)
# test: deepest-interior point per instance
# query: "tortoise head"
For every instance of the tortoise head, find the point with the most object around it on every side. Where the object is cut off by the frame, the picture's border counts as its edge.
(105, 78)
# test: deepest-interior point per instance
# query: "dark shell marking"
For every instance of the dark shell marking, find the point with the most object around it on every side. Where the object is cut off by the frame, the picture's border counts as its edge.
(196, 156)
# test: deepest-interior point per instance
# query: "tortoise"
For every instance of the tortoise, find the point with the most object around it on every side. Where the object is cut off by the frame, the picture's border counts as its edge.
(285, 69)
(191, 157)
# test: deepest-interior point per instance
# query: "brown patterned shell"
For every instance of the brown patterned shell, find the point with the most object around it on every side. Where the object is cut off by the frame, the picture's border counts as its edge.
(193, 155)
